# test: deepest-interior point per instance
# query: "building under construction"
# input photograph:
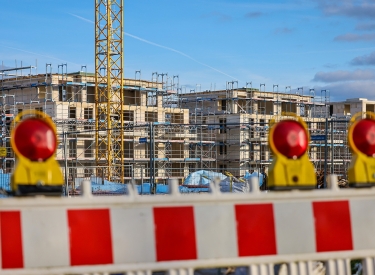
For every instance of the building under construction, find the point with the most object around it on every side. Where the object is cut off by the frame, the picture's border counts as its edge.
(167, 133)
(242, 117)
(158, 137)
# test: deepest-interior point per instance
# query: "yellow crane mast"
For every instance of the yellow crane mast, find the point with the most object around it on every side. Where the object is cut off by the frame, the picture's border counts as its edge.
(109, 72)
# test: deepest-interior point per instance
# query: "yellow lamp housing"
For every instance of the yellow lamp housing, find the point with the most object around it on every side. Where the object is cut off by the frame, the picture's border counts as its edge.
(361, 139)
(34, 142)
(290, 167)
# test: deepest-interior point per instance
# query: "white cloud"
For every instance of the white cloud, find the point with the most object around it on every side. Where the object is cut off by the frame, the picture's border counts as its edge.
(355, 89)
(353, 37)
(351, 8)
(364, 60)
(344, 76)
(254, 14)
(347, 84)
(365, 27)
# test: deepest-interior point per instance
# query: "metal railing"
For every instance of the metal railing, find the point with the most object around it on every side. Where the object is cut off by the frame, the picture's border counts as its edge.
(179, 150)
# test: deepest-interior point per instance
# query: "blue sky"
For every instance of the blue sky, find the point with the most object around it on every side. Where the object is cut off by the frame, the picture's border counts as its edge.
(320, 44)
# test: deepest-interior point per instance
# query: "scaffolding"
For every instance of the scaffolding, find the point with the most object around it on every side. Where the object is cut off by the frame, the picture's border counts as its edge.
(168, 133)
(329, 149)
(241, 117)
(10, 79)
(151, 115)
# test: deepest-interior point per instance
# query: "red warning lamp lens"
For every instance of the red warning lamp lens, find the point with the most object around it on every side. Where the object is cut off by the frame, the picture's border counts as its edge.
(364, 136)
(290, 138)
(35, 139)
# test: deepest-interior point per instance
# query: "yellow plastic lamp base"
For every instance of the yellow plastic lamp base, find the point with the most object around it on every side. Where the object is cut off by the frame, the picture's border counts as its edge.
(46, 175)
(286, 174)
(361, 172)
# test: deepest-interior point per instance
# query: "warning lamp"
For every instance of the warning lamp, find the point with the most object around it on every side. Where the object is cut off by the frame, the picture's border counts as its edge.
(361, 138)
(35, 139)
(291, 167)
(34, 142)
(291, 138)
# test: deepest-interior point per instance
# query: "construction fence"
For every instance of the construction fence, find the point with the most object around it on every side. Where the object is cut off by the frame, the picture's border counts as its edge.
(156, 152)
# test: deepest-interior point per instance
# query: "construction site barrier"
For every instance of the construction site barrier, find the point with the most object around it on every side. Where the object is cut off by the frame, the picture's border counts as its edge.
(181, 233)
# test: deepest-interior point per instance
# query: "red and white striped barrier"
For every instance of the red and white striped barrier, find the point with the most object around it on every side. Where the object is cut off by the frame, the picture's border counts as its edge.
(130, 233)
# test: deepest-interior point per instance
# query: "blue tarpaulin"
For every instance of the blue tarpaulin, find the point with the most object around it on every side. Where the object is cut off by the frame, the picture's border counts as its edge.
(5, 181)
(203, 177)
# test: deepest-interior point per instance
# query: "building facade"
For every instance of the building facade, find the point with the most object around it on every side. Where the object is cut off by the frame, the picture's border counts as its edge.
(351, 106)
(242, 117)
(70, 101)
(170, 134)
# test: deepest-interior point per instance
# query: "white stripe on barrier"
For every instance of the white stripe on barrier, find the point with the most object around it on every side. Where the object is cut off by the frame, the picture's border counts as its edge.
(133, 235)
(292, 235)
(215, 228)
(363, 223)
(45, 237)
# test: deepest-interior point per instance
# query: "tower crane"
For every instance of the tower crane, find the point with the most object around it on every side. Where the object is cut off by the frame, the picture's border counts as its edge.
(109, 64)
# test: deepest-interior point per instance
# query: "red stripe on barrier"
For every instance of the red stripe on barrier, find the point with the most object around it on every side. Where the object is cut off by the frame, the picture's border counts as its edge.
(90, 237)
(332, 226)
(175, 233)
(255, 230)
(11, 239)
